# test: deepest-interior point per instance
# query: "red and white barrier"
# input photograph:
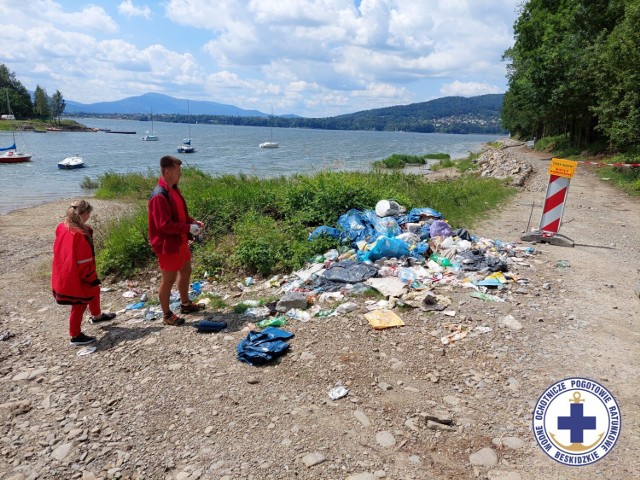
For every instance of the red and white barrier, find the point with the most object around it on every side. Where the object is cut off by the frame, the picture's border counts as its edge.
(554, 202)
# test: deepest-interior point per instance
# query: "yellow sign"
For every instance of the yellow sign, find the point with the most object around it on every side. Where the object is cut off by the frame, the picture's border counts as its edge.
(562, 168)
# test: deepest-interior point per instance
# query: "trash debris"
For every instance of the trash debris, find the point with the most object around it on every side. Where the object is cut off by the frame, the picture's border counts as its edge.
(388, 286)
(562, 264)
(129, 294)
(486, 296)
(433, 302)
(263, 347)
(272, 322)
(134, 306)
(209, 326)
(86, 351)
(338, 392)
(458, 332)
(380, 319)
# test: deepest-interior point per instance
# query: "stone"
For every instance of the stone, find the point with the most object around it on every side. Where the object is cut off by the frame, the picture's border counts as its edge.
(511, 323)
(291, 300)
(362, 418)
(314, 458)
(486, 457)
(431, 425)
(503, 475)
(362, 476)
(61, 451)
(513, 443)
(386, 439)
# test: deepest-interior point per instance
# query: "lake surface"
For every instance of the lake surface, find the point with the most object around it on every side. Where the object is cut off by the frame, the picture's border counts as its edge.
(219, 150)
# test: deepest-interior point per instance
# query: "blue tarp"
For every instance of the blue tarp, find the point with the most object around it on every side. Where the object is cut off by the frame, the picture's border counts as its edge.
(262, 347)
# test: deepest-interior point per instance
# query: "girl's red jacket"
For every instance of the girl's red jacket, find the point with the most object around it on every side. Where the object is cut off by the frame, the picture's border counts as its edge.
(73, 275)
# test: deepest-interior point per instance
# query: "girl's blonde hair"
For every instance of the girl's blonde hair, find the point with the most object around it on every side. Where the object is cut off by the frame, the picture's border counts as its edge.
(74, 215)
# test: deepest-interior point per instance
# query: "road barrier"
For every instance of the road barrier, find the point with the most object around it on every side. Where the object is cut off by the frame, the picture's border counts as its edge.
(560, 174)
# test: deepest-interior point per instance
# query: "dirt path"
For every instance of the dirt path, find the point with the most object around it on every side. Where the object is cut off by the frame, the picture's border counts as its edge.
(158, 402)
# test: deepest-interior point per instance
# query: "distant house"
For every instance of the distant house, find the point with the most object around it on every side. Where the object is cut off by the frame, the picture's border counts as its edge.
(7, 117)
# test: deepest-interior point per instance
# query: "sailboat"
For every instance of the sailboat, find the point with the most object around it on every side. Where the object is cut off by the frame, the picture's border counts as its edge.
(270, 143)
(11, 154)
(150, 136)
(186, 146)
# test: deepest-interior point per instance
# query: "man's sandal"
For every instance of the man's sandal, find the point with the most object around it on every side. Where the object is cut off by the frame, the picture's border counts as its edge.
(172, 319)
(191, 307)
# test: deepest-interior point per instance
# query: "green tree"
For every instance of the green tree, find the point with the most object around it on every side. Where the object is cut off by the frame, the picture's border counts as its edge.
(57, 105)
(551, 72)
(19, 97)
(616, 59)
(41, 103)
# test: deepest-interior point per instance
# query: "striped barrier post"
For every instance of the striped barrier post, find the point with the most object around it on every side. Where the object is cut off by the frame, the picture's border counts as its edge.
(560, 174)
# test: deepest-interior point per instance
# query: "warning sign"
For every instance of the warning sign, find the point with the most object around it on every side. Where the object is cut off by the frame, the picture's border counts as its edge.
(562, 168)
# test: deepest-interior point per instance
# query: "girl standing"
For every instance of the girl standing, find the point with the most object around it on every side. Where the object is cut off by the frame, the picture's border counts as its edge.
(74, 280)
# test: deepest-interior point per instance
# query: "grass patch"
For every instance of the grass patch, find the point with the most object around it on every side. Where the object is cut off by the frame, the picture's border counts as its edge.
(260, 226)
(215, 301)
(89, 184)
(624, 178)
(399, 160)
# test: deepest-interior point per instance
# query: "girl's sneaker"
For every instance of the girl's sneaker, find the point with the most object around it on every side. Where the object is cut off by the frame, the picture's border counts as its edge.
(82, 339)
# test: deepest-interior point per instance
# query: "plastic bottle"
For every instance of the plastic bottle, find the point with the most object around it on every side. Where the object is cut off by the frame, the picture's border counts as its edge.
(440, 260)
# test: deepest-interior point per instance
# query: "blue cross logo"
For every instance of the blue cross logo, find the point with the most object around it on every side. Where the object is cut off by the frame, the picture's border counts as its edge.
(576, 422)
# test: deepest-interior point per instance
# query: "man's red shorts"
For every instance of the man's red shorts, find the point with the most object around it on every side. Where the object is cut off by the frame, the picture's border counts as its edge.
(173, 262)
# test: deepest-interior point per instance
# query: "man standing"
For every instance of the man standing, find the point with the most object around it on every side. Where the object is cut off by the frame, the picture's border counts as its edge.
(170, 229)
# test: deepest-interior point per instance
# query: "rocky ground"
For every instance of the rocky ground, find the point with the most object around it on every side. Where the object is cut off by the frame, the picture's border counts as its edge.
(168, 403)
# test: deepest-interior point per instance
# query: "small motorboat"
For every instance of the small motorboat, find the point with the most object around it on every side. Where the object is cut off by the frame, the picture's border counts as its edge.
(70, 163)
(269, 145)
(186, 147)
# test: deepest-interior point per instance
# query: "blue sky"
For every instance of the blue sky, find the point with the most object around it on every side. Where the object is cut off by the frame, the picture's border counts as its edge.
(311, 58)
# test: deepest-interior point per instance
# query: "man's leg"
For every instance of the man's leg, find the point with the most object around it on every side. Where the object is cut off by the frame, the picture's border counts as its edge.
(184, 278)
(164, 289)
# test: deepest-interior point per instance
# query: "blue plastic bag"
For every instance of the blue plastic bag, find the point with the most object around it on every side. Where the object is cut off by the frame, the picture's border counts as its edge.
(262, 347)
(354, 227)
(388, 247)
(324, 231)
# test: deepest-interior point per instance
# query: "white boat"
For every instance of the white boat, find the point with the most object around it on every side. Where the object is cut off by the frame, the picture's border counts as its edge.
(72, 162)
(150, 136)
(186, 146)
(270, 143)
(11, 154)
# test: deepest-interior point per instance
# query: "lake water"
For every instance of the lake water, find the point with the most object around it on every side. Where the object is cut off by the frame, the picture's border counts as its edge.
(219, 150)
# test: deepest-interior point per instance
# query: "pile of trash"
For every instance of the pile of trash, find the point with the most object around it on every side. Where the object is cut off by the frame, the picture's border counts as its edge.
(406, 257)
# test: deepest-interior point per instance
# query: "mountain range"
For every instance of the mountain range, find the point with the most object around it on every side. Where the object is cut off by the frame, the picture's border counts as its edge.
(158, 104)
(480, 114)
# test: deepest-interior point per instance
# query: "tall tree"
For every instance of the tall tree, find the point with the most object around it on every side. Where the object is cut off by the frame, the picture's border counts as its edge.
(41, 103)
(57, 105)
(18, 95)
(552, 76)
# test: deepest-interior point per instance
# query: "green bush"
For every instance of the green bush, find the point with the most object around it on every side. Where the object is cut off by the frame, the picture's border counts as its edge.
(262, 225)
(126, 247)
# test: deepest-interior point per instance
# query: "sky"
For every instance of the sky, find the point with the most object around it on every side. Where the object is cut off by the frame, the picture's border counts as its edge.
(310, 58)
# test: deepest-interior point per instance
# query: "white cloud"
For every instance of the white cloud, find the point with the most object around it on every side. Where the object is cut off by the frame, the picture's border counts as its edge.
(314, 58)
(468, 89)
(129, 10)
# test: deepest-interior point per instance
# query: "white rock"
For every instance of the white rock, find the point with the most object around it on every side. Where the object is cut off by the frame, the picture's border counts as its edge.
(362, 476)
(313, 458)
(511, 323)
(362, 418)
(502, 475)
(486, 457)
(61, 451)
(386, 439)
(509, 442)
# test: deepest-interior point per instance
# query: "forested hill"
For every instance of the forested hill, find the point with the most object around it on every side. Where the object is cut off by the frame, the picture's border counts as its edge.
(444, 115)
(479, 114)
(448, 114)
